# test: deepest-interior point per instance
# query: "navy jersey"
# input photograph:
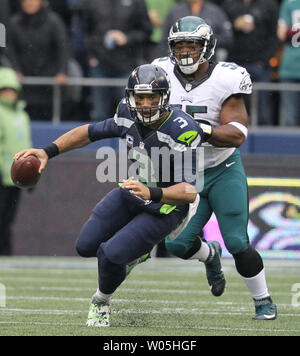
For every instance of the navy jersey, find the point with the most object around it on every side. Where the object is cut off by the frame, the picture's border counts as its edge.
(164, 156)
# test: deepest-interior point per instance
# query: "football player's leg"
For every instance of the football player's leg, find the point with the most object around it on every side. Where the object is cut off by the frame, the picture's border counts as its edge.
(187, 244)
(190, 245)
(229, 200)
(135, 239)
(108, 216)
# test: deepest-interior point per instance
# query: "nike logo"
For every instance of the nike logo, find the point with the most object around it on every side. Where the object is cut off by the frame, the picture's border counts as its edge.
(229, 164)
(186, 139)
(272, 316)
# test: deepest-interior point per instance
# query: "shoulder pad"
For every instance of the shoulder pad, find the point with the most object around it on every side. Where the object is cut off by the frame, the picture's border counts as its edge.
(122, 109)
(234, 78)
(185, 129)
(163, 62)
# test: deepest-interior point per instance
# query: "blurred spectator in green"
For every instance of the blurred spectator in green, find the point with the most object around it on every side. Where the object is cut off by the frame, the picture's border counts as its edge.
(14, 136)
(157, 11)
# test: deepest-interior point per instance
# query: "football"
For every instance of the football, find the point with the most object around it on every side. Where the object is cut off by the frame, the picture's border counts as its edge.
(25, 172)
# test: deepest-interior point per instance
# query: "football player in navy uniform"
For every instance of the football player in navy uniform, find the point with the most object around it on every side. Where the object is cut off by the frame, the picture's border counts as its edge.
(130, 220)
(212, 92)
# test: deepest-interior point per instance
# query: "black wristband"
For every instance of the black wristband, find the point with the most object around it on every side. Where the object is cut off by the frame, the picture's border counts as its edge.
(51, 150)
(156, 194)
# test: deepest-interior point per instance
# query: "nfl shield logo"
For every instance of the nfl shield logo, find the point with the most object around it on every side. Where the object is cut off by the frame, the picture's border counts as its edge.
(188, 87)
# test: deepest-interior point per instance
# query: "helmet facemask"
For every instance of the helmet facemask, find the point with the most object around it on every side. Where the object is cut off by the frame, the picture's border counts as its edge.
(147, 114)
(185, 59)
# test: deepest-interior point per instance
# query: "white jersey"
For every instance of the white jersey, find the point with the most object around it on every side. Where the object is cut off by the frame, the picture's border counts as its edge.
(203, 98)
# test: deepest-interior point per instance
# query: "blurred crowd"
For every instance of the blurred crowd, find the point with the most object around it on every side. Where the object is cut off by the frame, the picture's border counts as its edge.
(108, 38)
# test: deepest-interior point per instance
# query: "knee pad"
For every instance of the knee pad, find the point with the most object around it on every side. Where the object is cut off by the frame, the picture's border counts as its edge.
(112, 254)
(84, 252)
(248, 263)
(236, 244)
(119, 254)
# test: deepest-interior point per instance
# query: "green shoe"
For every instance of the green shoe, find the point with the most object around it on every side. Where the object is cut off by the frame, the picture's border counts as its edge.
(214, 273)
(136, 262)
(98, 315)
(265, 309)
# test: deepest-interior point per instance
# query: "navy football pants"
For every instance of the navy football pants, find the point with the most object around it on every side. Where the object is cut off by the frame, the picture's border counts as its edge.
(117, 234)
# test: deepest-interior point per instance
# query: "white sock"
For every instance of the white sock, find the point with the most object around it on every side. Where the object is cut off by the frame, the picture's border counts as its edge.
(202, 254)
(102, 297)
(258, 285)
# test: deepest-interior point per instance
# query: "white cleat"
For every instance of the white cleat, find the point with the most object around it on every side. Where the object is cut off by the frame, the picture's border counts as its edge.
(98, 315)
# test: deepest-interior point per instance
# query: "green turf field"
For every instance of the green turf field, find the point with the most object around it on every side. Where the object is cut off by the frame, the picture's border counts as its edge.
(50, 296)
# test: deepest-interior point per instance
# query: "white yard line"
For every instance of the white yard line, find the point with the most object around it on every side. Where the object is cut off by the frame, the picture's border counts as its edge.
(245, 307)
(173, 311)
(161, 311)
(201, 282)
(146, 290)
(74, 264)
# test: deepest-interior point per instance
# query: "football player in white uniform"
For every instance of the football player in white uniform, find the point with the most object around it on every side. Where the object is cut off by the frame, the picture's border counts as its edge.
(213, 94)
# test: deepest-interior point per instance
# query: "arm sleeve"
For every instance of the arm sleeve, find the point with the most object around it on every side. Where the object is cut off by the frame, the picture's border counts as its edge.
(105, 129)
(117, 126)
(242, 83)
(235, 80)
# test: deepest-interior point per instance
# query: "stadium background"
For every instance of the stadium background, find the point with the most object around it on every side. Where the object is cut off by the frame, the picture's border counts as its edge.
(50, 216)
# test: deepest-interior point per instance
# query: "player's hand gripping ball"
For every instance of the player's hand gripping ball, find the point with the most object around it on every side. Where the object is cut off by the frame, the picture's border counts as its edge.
(25, 172)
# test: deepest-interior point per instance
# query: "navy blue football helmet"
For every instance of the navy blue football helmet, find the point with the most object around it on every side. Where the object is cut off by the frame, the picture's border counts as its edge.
(148, 79)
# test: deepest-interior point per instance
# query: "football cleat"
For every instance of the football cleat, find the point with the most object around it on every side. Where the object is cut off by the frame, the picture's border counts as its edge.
(136, 262)
(214, 273)
(265, 309)
(98, 315)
